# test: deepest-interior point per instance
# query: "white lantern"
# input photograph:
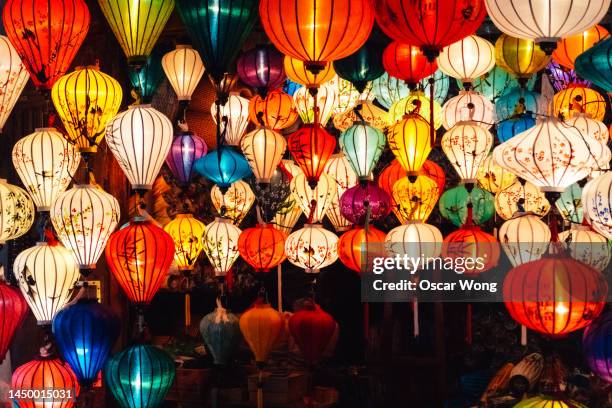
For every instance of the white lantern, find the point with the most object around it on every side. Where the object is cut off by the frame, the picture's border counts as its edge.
(327, 99)
(313, 202)
(466, 145)
(389, 90)
(235, 203)
(348, 95)
(415, 103)
(263, 149)
(528, 196)
(460, 107)
(340, 170)
(589, 127)
(16, 212)
(587, 246)
(220, 243)
(234, 117)
(467, 59)
(416, 240)
(140, 139)
(13, 78)
(84, 218)
(492, 177)
(312, 248)
(597, 203)
(524, 238)
(45, 162)
(184, 69)
(46, 275)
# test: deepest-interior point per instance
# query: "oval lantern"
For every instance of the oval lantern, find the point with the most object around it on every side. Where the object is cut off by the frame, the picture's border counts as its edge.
(492, 177)
(358, 247)
(394, 171)
(528, 196)
(596, 343)
(221, 333)
(149, 76)
(415, 200)
(467, 59)
(184, 69)
(262, 247)
(260, 326)
(297, 72)
(186, 232)
(313, 201)
(235, 203)
(262, 68)
(312, 329)
(441, 86)
(362, 145)
(311, 147)
(576, 99)
(363, 66)
(524, 238)
(587, 246)
(326, 100)
(139, 257)
(466, 145)
(275, 110)
(520, 56)
(16, 212)
(571, 47)
(339, 169)
(597, 202)
(407, 62)
(13, 78)
(415, 240)
(389, 90)
(365, 201)
(595, 66)
(234, 116)
(15, 308)
(221, 245)
(517, 102)
(263, 149)
(569, 204)
(454, 203)
(185, 150)
(46, 372)
(410, 142)
(466, 103)
(223, 167)
(312, 248)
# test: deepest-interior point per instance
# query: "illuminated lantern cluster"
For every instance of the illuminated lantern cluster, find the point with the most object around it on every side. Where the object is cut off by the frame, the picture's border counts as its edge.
(13, 78)
(275, 110)
(262, 247)
(467, 59)
(221, 245)
(186, 231)
(16, 212)
(312, 248)
(185, 150)
(524, 238)
(358, 247)
(184, 69)
(235, 203)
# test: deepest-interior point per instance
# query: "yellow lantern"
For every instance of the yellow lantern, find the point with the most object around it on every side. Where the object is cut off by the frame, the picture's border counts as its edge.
(466, 145)
(416, 103)
(220, 244)
(235, 203)
(460, 107)
(410, 141)
(579, 99)
(326, 98)
(234, 117)
(341, 171)
(524, 238)
(587, 246)
(492, 177)
(16, 212)
(313, 202)
(372, 114)
(86, 99)
(571, 47)
(416, 200)
(263, 149)
(297, 72)
(467, 59)
(184, 69)
(186, 232)
(520, 57)
(530, 198)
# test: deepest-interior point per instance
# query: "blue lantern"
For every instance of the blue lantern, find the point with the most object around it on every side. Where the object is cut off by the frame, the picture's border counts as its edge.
(85, 333)
(441, 86)
(291, 87)
(223, 167)
(518, 101)
(569, 204)
(221, 333)
(509, 128)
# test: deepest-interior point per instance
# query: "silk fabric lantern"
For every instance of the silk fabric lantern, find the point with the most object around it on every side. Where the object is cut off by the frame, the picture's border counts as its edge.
(316, 108)
(407, 62)
(186, 232)
(221, 332)
(519, 56)
(492, 177)
(518, 102)
(587, 246)
(362, 144)
(415, 200)
(221, 245)
(389, 90)
(260, 326)
(275, 111)
(235, 203)
(262, 247)
(363, 66)
(441, 86)
(595, 66)
(13, 78)
(234, 118)
(597, 202)
(149, 76)
(14, 308)
(466, 103)
(579, 99)
(364, 111)
(416, 104)
(416, 240)
(297, 72)
(530, 198)
(410, 141)
(312, 329)
(311, 147)
(341, 171)
(596, 346)
(313, 201)
(185, 150)
(184, 69)
(358, 247)
(312, 248)
(561, 77)
(524, 238)
(365, 201)
(569, 204)
(261, 68)
(509, 128)
(454, 204)
(493, 84)
(466, 145)
(263, 149)
(467, 59)
(348, 96)
(588, 126)
(572, 46)
(223, 167)
(16, 212)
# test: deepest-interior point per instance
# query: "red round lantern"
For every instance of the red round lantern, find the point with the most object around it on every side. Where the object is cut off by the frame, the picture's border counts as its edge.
(14, 309)
(312, 328)
(311, 147)
(262, 247)
(355, 243)
(139, 256)
(407, 62)
(46, 34)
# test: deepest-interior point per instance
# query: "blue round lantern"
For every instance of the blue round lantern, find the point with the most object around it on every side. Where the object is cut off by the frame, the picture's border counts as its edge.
(509, 104)
(597, 346)
(85, 333)
(509, 128)
(223, 167)
(221, 332)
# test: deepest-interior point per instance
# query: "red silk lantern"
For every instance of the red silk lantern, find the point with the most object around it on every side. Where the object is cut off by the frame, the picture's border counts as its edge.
(262, 247)
(350, 249)
(407, 62)
(311, 147)
(13, 309)
(434, 172)
(139, 256)
(312, 328)
(46, 34)
(261, 326)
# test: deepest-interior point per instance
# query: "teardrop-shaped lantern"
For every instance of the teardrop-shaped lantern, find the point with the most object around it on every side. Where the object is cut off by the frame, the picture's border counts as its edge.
(312, 328)
(410, 142)
(186, 232)
(454, 203)
(587, 246)
(184, 69)
(13, 78)
(185, 150)
(262, 247)
(467, 59)
(365, 201)
(327, 99)
(492, 177)
(467, 145)
(234, 115)
(261, 68)
(47, 372)
(416, 200)
(363, 66)
(223, 166)
(221, 333)
(221, 245)
(16, 212)
(260, 326)
(312, 248)
(407, 62)
(524, 238)
(311, 147)
(523, 194)
(235, 203)
(362, 144)
(149, 76)
(275, 111)
(520, 56)
(597, 202)
(339, 169)
(466, 103)
(14, 308)
(263, 149)
(358, 247)
(313, 201)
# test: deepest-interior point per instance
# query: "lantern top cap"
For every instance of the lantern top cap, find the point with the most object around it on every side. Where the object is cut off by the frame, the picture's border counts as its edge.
(223, 220)
(45, 129)
(183, 215)
(183, 46)
(42, 243)
(312, 226)
(138, 219)
(89, 185)
(141, 106)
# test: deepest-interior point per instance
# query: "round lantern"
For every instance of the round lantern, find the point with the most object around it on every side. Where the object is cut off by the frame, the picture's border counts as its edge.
(263, 149)
(223, 167)
(260, 326)
(415, 200)
(235, 203)
(46, 275)
(149, 77)
(415, 240)
(186, 231)
(45, 163)
(185, 150)
(493, 84)
(184, 69)
(313, 201)
(418, 104)
(543, 401)
(14, 309)
(13, 78)
(569, 204)
(511, 127)
(572, 46)
(596, 344)
(555, 295)
(312, 329)
(524, 238)
(407, 62)
(365, 201)
(85, 333)
(364, 111)
(429, 26)
(410, 142)
(311, 147)
(597, 202)
(139, 257)
(221, 245)
(140, 376)
(594, 65)
(389, 90)
(434, 172)
(441, 86)
(234, 115)
(46, 35)
(577, 99)
(528, 196)
(262, 247)
(339, 169)
(84, 217)
(460, 107)
(387, 179)
(325, 100)
(363, 66)
(362, 144)
(275, 110)
(467, 59)
(588, 126)
(519, 101)
(587, 246)
(221, 333)
(467, 145)
(492, 177)
(358, 247)
(312, 248)
(334, 29)
(16, 212)
(140, 139)
(297, 72)
(519, 56)
(454, 205)
(46, 372)
(86, 99)
(262, 68)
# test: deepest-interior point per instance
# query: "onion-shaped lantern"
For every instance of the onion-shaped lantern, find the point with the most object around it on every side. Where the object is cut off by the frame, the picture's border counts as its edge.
(520, 56)
(416, 240)
(524, 238)
(587, 246)
(362, 144)
(569, 204)
(363, 66)
(415, 200)
(146, 79)
(14, 309)
(417, 104)
(528, 196)
(297, 72)
(326, 100)
(460, 107)
(261, 68)
(84, 217)
(454, 203)
(13, 78)
(184, 69)
(234, 115)
(85, 333)
(312, 248)
(596, 345)
(572, 46)
(517, 102)
(49, 373)
(140, 376)
(389, 90)
(594, 65)
(223, 167)
(185, 150)
(263, 149)
(339, 169)
(275, 110)
(46, 275)
(410, 142)
(511, 127)
(221, 333)
(577, 99)
(261, 326)
(543, 401)
(235, 203)
(467, 59)
(312, 329)
(467, 145)
(186, 232)
(140, 139)
(311, 147)
(492, 177)
(358, 247)
(313, 201)
(365, 201)
(16, 212)
(221, 245)
(46, 35)
(407, 62)
(45, 163)
(591, 127)
(139, 257)
(262, 247)
(597, 203)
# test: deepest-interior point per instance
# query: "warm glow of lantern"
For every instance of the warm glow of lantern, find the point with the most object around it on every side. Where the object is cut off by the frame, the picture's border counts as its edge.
(186, 231)
(221, 245)
(524, 238)
(16, 212)
(327, 99)
(459, 108)
(466, 145)
(572, 46)
(262, 247)
(526, 194)
(235, 203)
(263, 149)
(579, 99)
(314, 202)
(492, 177)
(184, 69)
(520, 56)
(13, 78)
(467, 59)
(275, 110)
(234, 117)
(297, 72)
(410, 141)
(358, 247)
(311, 147)
(312, 248)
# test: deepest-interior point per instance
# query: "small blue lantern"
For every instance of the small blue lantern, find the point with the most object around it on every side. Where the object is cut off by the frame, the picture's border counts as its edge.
(223, 167)
(221, 332)
(507, 129)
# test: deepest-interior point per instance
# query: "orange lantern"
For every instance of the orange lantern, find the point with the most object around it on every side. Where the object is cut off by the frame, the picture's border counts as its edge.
(261, 326)
(262, 247)
(297, 72)
(356, 243)
(276, 111)
(577, 99)
(571, 47)
(311, 147)
(407, 62)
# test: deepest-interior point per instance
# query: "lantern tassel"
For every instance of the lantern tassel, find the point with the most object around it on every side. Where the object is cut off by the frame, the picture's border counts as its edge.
(523, 335)
(187, 310)
(415, 317)
(260, 389)
(279, 282)
(468, 321)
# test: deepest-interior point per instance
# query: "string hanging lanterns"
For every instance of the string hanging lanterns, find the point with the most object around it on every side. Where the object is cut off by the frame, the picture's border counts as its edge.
(186, 232)
(467, 145)
(524, 238)
(263, 149)
(520, 56)
(596, 346)
(147, 78)
(518, 102)
(14, 309)
(275, 111)
(312, 248)
(223, 167)
(313, 201)
(454, 204)
(261, 68)
(467, 59)
(363, 66)
(16, 212)
(339, 169)
(235, 203)
(324, 101)
(587, 246)
(362, 145)
(526, 194)
(311, 147)
(13, 78)
(262, 247)
(358, 247)
(577, 99)
(570, 47)
(234, 116)
(569, 204)
(220, 243)
(185, 150)
(389, 90)
(595, 66)
(184, 69)
(312, 329)
(415, 200)
(492, 177)
(221, 333)
(260, 326)
(597, 202)
(410, 142)
(365, 201)
(407, 62)
(466, 103)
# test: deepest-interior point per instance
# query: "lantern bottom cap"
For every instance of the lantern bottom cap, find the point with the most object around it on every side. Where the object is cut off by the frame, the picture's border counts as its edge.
(87, 266)
(88, 149)
(547, 189)
(142, 186)
(311, 270)
(43, 208)
(468, 181)
(342, 228)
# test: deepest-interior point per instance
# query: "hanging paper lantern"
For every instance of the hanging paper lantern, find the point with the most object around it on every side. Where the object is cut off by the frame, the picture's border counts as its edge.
(543, 401)
(561, 77)
(14, 309)
(234, 116)
(348, 96)
(312, 248)
(46, 275)
(467, 145)
(520, 56)
(223, 167)
(410, 142)
(519, 101)
(85, 333)
(139, 257)
(493, 178)
(235, 203)
(221, 332)
(362, 144)
(297, 72)
(596, 346)
(312, 329)
(260, 326)
(460, 107)
(311, 147)
(140, 139)
(524, 238)
(185, 150)
(554, 296)
(364, 111)
(587, 246)
(363, 66)
(407, 62)
(262, 247)
(591, 127)
(184, 69)
(275, 110)
(339, 169)
(418, 104)
(261, 68)
(146, 79)
(572, 46)
(16, 212)
(441, 86)
(140, 376)
(595, 66)
(287, 215)
(326, 100)
(387, 179)
(511, 127)
(313, 201)
(597, 202)
(527, 195)
(416, 200)
(467, 59)
(45, 163)
(46, 372)
(365, 201)
(429, 26)
(263, 149)
(13, 78)
(454, 205)
(358, 247)
(84, 217)
(46, 35)
(569, 204)
(579, 99)
(493, 84)
(415, 240)
(186, 232)
(389, 90)
(221, 245)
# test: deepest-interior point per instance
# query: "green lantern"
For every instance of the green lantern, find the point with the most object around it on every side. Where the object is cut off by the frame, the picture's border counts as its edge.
(363, 66)
(441, 86)
(146, 79)
(453, 205)
(140, 376)
(569, 204)
(362, 144)
(595, 64)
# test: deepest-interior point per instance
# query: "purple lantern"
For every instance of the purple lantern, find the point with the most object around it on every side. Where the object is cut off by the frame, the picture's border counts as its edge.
(262, 68)
(561, 77)
(186, 149)
(597, 346)
(357, 201)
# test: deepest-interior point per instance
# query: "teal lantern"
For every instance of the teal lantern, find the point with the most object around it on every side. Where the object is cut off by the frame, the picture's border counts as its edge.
(496, 83)
(362, 144)
(507, 129)
(595, 64)
(389, 90)
(518, 101)
(221, 332)
(140, 376)
(223, 167)
(453, 205)
(569, 204)
(146, 79)
(441, 86)
(363, 66)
